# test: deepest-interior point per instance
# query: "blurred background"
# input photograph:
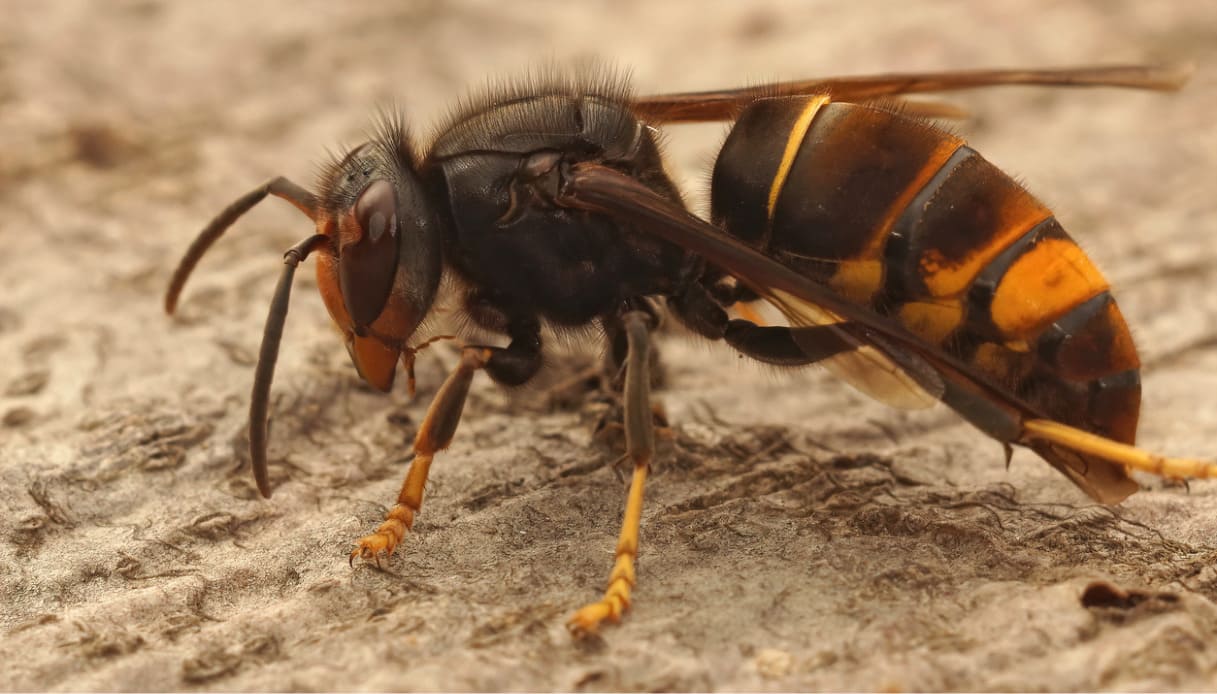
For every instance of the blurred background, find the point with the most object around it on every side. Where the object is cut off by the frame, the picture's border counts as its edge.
(125, 125)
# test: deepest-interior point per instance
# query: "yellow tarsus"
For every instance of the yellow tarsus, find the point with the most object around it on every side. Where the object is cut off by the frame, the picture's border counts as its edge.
(1130, 456)
(616, 598)
(400, 518)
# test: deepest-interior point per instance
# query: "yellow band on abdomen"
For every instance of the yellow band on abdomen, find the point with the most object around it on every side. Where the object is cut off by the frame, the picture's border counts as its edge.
(793, 142)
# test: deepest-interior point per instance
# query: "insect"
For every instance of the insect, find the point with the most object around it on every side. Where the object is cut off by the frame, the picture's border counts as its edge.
(902, 259)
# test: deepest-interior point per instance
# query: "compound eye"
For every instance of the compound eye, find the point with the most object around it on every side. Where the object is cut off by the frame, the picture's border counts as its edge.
(368, 265)
(376, 211)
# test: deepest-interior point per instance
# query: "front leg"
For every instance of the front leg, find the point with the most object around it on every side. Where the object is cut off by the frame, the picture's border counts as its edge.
(511, 365)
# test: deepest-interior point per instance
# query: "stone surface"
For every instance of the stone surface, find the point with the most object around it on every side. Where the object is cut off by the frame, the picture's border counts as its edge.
(796, 535)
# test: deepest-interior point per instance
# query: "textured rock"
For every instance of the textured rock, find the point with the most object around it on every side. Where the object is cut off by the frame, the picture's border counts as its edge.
(796, 534)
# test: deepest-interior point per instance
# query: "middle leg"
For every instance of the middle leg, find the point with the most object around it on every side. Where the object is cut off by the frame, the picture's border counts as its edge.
(640, 448)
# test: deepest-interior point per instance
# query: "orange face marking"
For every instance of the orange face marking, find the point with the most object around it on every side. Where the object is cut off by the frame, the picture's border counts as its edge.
(331, 294)
(1043, 284)
(397, 320)
(376, 362)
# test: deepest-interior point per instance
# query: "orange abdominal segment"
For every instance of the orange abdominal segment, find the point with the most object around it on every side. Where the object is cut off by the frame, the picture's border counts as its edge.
(1044, 283)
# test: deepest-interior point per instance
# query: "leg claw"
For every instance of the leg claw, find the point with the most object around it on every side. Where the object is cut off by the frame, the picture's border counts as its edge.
(371, 548)
(587, 620)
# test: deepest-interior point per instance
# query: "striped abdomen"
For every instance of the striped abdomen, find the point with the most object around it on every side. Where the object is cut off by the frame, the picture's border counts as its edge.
(902, 217)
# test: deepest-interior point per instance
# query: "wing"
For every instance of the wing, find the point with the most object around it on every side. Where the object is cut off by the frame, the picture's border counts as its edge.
(878, 365)
(885, 373)
(692, 107)
(895, 360)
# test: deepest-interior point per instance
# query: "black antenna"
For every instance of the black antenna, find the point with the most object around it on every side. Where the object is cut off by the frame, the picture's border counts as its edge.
(304, 201)
(259, 401)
